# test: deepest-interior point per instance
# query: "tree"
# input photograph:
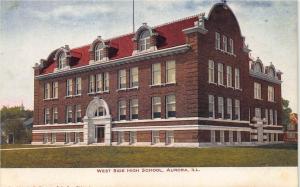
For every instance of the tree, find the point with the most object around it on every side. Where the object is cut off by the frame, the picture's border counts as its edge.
(11, 122)
(286, 111)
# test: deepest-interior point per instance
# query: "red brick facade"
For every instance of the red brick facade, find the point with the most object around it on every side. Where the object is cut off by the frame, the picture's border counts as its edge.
(191, 43)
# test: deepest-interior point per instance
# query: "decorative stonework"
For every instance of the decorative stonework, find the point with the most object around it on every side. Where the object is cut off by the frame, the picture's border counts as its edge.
(91, 122)
(199, 25)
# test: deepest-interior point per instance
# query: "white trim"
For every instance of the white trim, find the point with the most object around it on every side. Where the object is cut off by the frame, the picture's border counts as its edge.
(129, 59)
(179, 119)
(58, 130)
(59, 125)
(273, 131)
(180, 127)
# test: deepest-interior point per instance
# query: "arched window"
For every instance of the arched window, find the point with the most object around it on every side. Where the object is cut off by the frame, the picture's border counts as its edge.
(271, 72)
(100, 112)
(257, 68)
(144, 40)
(62, 60)
(99, 52)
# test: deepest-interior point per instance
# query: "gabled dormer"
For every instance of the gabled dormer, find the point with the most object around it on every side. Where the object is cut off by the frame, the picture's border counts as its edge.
(144, 40)
(62, 59)
(269, 73)
(98, 51)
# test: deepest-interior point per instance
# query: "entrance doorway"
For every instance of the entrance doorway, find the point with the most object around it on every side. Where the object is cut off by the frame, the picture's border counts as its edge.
(100, 134)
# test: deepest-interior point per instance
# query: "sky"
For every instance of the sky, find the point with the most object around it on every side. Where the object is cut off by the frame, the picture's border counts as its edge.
(31, 30)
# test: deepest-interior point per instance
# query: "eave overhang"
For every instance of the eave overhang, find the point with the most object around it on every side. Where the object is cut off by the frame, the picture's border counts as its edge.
(138, 57)
(264, 77)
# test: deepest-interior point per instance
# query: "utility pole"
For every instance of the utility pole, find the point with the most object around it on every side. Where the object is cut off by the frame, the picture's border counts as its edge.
(133, 16)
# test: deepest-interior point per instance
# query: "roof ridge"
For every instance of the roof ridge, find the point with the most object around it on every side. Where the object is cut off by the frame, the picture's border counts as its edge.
(178, 20)
(156, 26)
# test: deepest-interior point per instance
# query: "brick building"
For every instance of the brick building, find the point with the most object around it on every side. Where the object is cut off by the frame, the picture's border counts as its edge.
(189, 82)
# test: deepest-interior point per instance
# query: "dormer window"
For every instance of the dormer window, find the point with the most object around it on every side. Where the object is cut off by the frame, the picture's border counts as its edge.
(62, 61)
(144, 40)
(271, 72)
(99, 52)
(257, 68)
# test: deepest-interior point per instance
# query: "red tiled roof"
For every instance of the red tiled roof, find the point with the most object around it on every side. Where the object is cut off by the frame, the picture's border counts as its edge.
(171, 32)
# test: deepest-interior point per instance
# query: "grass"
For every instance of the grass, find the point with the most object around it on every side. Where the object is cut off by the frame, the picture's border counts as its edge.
(78, 157)
(10, 146)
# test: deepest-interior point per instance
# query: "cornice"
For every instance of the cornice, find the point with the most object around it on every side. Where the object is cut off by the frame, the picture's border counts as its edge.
(138, 57)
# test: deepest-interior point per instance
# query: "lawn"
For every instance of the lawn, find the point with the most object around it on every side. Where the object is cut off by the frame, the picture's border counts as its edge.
(91, 156)
(11, 146)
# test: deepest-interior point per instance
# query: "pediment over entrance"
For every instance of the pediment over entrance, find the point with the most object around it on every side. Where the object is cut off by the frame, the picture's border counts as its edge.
(94, 106)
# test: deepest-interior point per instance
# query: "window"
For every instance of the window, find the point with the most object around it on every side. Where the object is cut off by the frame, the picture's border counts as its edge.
(77, 137)
(132, 137)
(229, 76)
(99, 82)
(121, 138)
(45, 138)
(122, 110)
(78, 86)
(55, 115)
(69, 87)
(155, 137)
(229, 108)
(220, 74)
(156, 107)
(122, 79)
(169, 137)
(67, 137)
(47, 115)
(220, 107)
(47, 91)
(257, 113)
(266, 116)
(170, 72)
(225, 43)
(171, 106)
(99, 52)
(239, 137)
(156, 74)
(257, 68)
(134, 77)
(211, 71)
(69, 114)
(53, 138)
(222, 137)
(275, 117)
(237, 78)
(211, 106)
(218, 41)
(257, 90)
(78, 113)
(271, 72)
(231, 137)
(62, 61)
(212, 136)
(55, 89)
(237, 109)
(91, 84)
(134, 109)
(231, 46)
(271, 117)
(271, 93)
(106, 81)
(100, 112)
(144, 40)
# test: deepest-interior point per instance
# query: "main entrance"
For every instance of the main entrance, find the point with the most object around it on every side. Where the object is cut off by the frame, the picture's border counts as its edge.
(97, 127)
(100, 134)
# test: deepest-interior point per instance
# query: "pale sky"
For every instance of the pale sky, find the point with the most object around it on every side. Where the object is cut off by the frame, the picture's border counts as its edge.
(31, 30)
